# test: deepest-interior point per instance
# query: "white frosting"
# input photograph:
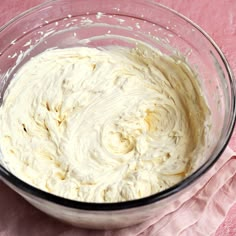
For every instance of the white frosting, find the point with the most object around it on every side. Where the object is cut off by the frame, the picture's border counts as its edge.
(103, 125)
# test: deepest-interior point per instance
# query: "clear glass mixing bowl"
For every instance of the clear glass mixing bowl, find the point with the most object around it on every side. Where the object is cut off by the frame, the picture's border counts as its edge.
(68, 23)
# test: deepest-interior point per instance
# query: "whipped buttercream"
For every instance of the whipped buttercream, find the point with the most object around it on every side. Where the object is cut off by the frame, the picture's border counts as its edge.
(103, 125)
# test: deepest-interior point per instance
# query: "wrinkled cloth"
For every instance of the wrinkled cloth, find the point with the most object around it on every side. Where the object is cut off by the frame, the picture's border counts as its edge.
(201, 212)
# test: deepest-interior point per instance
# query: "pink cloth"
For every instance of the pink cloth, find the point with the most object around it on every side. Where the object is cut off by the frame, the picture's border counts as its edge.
(19, 218)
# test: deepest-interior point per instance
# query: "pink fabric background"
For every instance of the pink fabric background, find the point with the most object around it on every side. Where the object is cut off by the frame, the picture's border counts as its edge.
(216, 17)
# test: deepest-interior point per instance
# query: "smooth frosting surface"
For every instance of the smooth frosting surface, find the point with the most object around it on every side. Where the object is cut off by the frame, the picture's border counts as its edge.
(103, 125)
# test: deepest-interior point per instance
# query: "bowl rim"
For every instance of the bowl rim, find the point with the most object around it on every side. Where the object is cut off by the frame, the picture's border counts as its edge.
(12, 180)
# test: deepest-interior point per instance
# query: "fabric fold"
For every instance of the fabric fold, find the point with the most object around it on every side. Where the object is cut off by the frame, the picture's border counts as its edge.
(210, 203)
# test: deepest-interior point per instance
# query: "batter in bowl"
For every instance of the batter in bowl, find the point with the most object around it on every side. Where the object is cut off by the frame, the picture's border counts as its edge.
(103, 125)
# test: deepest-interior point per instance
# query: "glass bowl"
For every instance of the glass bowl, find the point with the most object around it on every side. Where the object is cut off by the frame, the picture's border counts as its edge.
(69, 23)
